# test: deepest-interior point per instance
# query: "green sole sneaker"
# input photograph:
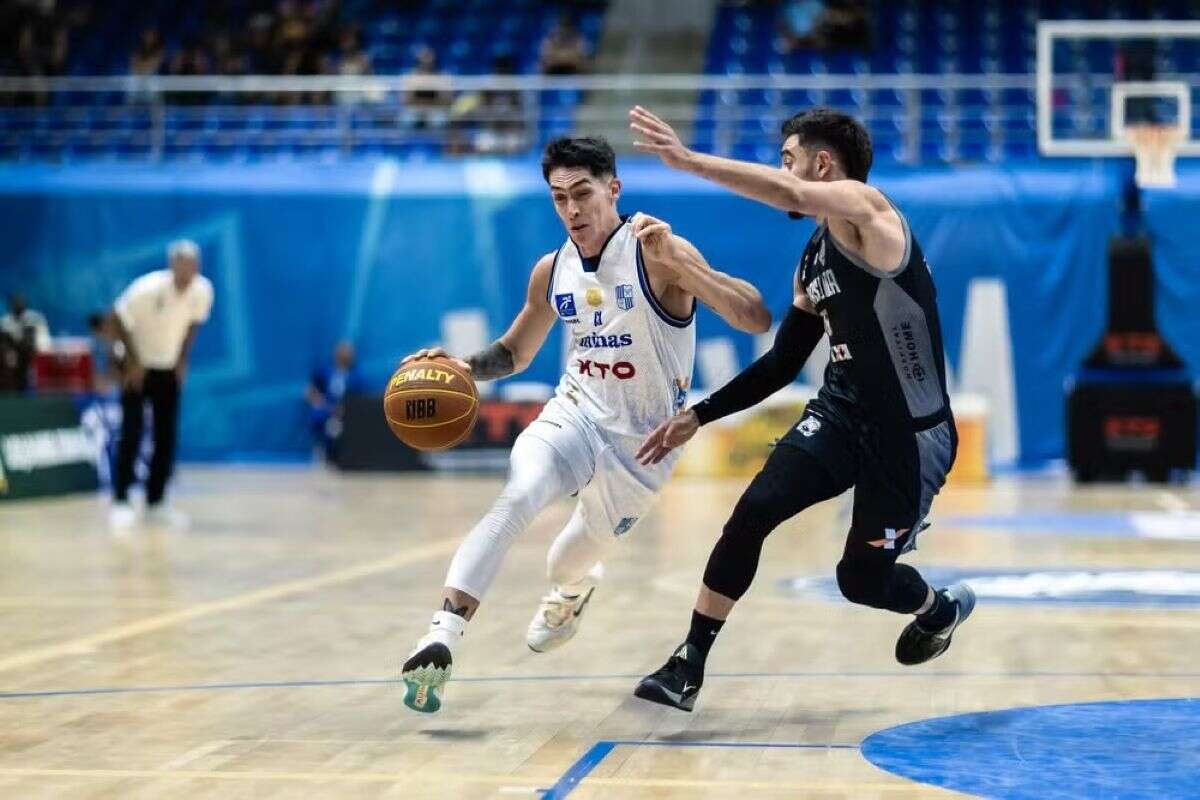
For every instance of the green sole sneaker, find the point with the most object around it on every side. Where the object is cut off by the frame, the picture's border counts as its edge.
(424, 674)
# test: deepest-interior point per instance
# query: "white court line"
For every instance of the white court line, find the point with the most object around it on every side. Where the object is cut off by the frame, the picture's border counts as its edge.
(195, 754)
(278, 591)
(1171, 501)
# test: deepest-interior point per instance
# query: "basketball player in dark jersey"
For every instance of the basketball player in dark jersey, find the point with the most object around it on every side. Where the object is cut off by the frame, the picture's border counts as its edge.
(881, 421)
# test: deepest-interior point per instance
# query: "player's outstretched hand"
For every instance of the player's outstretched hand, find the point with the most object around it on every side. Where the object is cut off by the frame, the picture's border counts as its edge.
(652, 135)
(655, 236)
(436, 352)
(673, 433)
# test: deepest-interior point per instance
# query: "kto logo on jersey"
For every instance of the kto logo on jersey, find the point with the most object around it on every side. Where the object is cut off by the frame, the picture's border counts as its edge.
(597, 340)
(622, 370)
(625, 296)
(565, 303)
(839, 352)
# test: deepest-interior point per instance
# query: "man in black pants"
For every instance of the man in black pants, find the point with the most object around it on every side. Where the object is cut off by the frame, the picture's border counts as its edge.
(881, 421)
(156, 319)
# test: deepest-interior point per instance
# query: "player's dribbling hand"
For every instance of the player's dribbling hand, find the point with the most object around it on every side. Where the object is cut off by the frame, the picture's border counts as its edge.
(657, 137)
(436, 352)
(673, 433)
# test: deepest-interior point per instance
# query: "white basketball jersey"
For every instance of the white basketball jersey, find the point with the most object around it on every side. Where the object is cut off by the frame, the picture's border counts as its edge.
(629, 362)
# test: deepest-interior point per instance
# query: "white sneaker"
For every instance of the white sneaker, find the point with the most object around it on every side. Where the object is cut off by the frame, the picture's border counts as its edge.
(122, 517)
(556, 620)
(164, 516)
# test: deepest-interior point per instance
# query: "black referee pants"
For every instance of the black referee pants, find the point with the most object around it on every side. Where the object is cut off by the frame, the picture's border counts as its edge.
(161, 388)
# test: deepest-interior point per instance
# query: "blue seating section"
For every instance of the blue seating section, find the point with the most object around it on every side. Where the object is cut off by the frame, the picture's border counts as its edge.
(981, 38)
(466, 35)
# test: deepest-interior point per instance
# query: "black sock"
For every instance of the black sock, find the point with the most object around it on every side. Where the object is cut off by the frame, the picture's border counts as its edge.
(703, 632)
(940, 615)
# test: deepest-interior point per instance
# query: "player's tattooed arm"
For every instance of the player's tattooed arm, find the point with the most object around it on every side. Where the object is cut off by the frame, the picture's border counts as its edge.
(493, 361)
(513, 351)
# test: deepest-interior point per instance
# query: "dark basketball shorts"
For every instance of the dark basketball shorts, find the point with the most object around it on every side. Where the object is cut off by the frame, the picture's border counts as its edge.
(895, 472)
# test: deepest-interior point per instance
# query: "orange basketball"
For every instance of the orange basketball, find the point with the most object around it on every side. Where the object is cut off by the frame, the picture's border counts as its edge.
(431, 404)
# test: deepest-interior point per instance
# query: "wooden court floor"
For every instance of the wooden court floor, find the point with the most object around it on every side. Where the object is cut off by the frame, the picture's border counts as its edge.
(252, 654)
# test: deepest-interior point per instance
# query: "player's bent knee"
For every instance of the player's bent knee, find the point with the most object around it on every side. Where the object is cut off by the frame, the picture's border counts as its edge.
(752, 516)
(862, 582)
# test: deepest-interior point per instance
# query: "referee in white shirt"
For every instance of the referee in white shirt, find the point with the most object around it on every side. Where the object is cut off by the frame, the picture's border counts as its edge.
(156, 318)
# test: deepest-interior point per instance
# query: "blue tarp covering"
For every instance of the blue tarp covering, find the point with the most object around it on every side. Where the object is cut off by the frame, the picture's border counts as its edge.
(304, 254)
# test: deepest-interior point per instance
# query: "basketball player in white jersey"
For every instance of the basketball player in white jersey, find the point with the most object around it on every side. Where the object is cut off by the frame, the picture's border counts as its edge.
(626, 288)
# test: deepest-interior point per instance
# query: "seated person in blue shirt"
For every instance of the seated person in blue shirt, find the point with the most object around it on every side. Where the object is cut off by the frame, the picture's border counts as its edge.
(326, 394)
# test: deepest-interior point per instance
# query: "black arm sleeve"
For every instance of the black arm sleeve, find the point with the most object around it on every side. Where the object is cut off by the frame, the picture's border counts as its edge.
(798, 335)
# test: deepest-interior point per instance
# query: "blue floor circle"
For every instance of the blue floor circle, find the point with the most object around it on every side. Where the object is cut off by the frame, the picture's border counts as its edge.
(1121, 749)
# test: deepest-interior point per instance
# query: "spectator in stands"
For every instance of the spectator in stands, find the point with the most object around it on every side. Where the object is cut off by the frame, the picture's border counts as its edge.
(261, 57)
(189, 61)
(326, 395)
(502, 114)
(563, 51)
(28, 334)
(226, 58)
(799, 18)
(351, 59)
(825, 24)
(41, 52)
(428, 106)
(147, 58)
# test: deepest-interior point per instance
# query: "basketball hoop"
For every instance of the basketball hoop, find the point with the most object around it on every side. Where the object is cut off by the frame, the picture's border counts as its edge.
(1154, 147)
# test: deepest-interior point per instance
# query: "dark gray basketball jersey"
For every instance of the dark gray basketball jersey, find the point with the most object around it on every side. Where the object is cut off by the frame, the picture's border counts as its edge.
(886, 363)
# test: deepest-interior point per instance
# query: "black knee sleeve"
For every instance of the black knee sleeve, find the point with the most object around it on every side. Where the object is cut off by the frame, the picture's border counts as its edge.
(734, 558)
(862, 581)
(791, 481)
(881, 583)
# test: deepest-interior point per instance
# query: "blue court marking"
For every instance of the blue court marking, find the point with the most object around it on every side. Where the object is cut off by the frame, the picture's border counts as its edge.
(1079, 586)
(1047, 522)
(1181, 526)
(597, 753)
(910, 674)
(1129, 749)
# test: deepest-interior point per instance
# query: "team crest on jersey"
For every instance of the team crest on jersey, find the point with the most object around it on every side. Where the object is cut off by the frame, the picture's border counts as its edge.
(565, 303)
(808, 426)
(595, 297)
(625, 296)
(681, 391)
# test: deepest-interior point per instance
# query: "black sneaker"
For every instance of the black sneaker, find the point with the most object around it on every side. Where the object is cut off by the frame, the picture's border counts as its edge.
(677, 682)
(425, 673)
(917, 645)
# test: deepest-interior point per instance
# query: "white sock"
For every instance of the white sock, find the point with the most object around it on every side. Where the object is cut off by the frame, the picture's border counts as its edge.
(447, 628)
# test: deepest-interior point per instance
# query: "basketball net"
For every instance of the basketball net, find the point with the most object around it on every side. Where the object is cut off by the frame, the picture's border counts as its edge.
(1154, 148)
